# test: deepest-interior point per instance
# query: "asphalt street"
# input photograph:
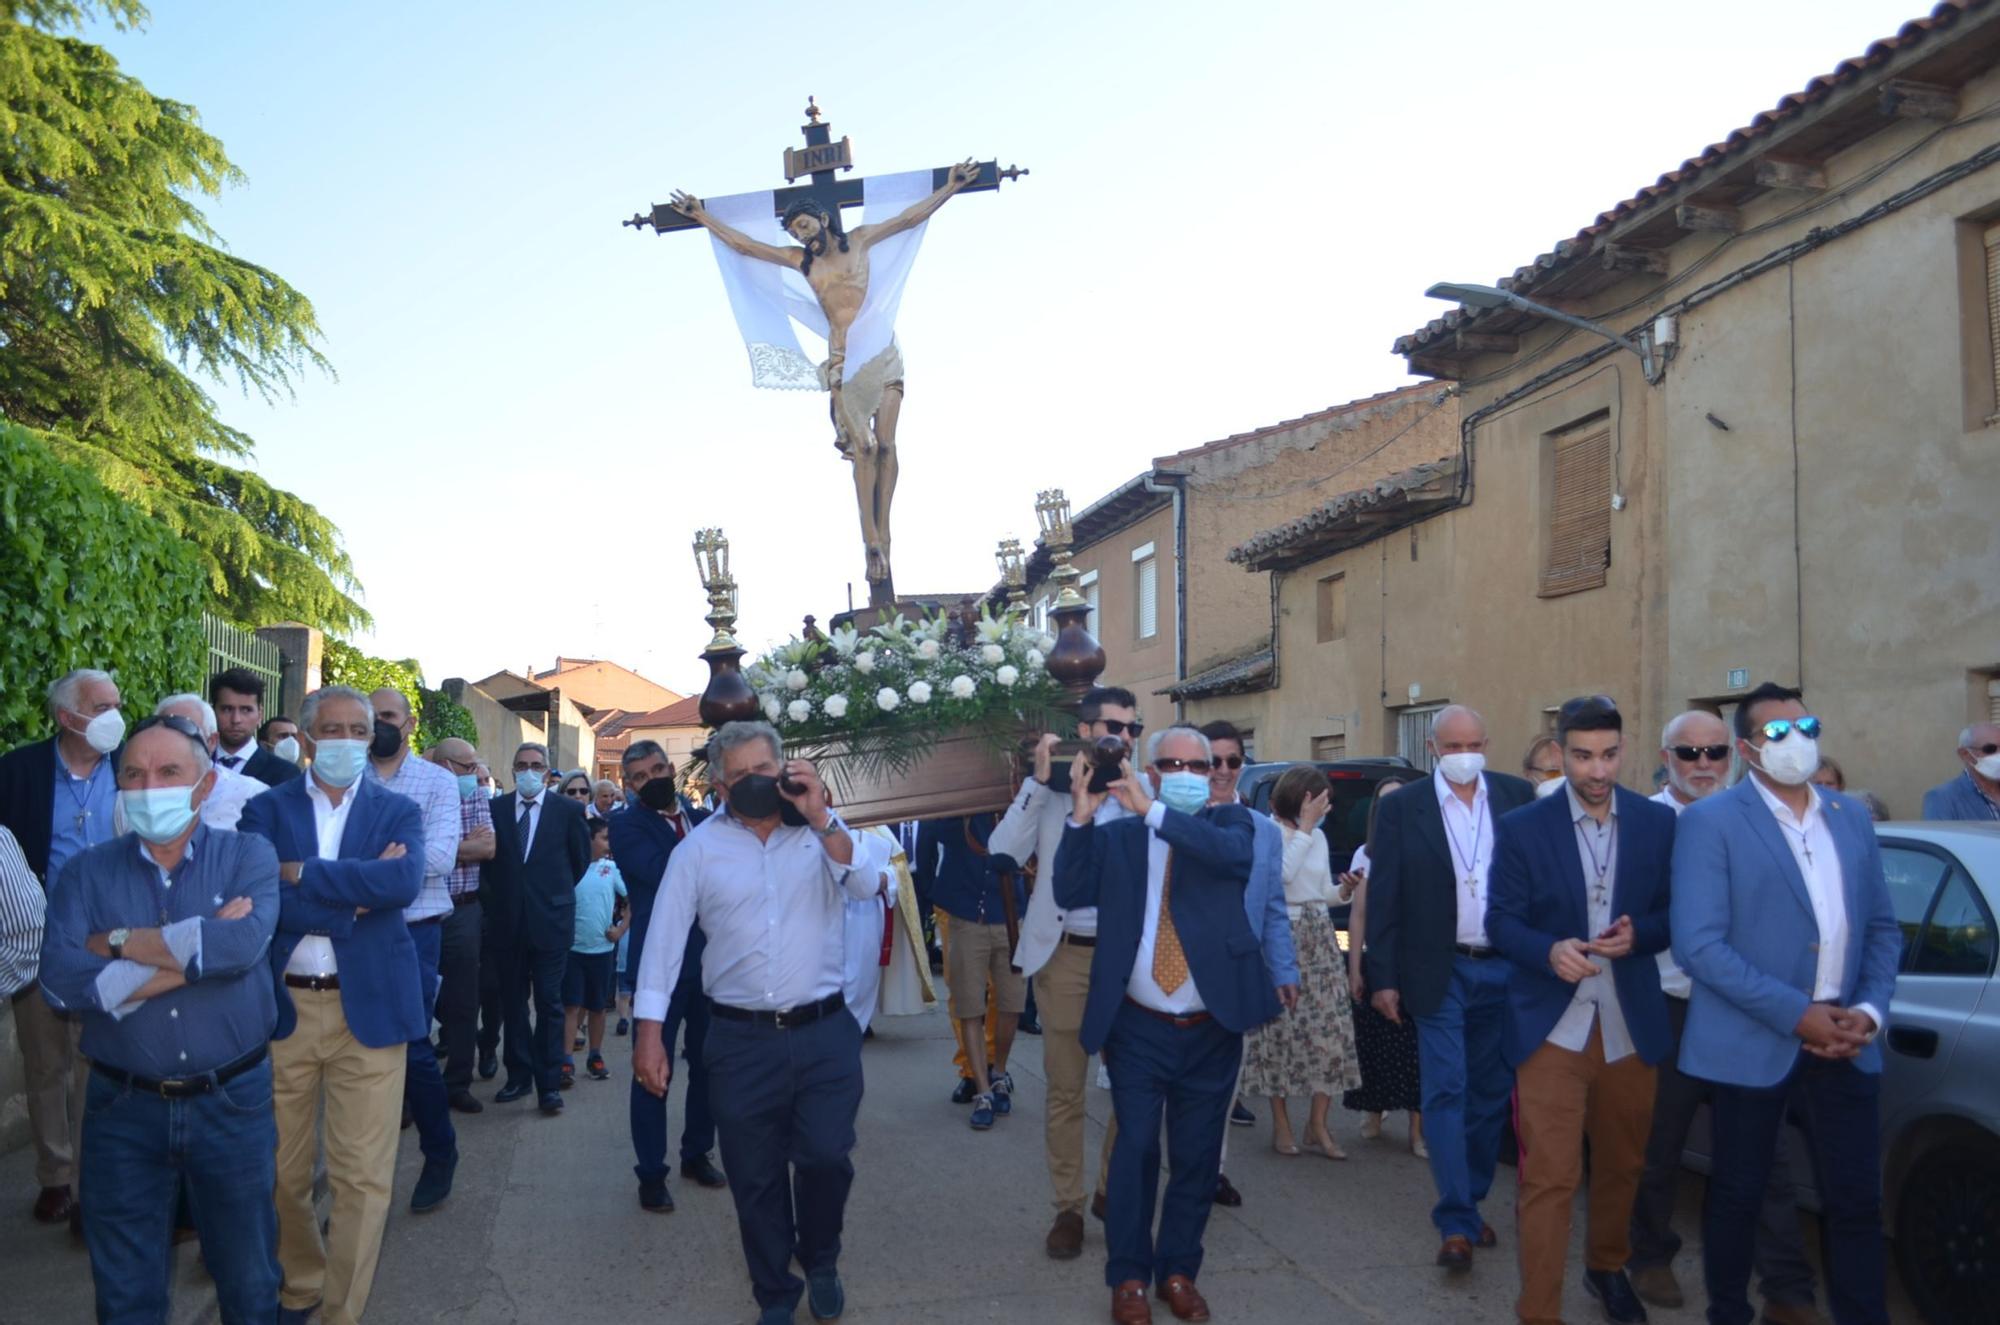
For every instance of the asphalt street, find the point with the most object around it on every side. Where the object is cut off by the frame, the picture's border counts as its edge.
(945, 1225)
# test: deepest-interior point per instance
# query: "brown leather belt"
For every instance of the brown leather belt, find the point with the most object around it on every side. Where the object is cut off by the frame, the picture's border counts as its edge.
(1176, 1020)
(312, 981)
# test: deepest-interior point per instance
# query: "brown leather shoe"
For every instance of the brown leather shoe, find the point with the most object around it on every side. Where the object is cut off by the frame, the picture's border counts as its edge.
(1065, 1241)
(1129, 1305)
(1656, 1284)
(1456, 1254)
(52, 1206)
(1183, 1298)
(1792, 1313)
(1487, 1237)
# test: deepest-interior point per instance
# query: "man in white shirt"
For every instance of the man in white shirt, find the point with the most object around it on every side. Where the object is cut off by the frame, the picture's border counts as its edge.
(224, 805)
(1056, 948)
(769, 883)
(1694, 749)
(1782, 920)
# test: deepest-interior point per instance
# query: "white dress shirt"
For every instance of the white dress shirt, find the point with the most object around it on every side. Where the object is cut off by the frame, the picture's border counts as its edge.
(1141, 987)
(1468, 832)
(226, 799)
(1033, 826)
(1818, 860)
(239, 756)
(314, 955)
(1674, 982)
(1596, 997)
(774, 911)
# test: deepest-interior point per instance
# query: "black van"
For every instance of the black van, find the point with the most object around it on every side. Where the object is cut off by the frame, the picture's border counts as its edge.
(1353, 783)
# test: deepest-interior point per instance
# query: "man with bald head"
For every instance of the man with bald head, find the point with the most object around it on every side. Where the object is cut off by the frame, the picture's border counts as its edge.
(1429, 957)
(458, 959)
(1694, 749)
(1975, 793)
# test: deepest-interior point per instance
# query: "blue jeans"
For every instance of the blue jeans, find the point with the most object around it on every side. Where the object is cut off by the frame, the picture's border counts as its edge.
(687, 1019)
(1841, 1107)
(139, 1149)
(423, 1081)
(1186, 1074)
(1466, 1088)
(787, 1099)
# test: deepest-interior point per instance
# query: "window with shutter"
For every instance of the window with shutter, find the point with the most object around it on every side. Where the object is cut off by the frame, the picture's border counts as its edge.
(1578, 548)
(1993, 306)
(1330, 747)
(1146, 611)
(1333, 607)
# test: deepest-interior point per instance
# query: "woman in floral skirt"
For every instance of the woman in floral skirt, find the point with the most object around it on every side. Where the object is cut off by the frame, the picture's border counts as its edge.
(1388, 1050)
(1310, 1049)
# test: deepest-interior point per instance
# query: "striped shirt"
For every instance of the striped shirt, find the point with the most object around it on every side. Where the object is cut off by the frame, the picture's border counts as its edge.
(436, 793)
(474, 812)
(21, 910)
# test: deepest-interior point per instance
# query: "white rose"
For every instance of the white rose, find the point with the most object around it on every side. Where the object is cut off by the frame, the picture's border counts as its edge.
(864, 663)
(799, 710)
(772, 708)
(887, 699)
(961, 687)
(1007, 675)
(796, 681)
(1034, 659)
(927, 649)
(993, 653)
(1048, 642)
(920, 692)
(836, 707)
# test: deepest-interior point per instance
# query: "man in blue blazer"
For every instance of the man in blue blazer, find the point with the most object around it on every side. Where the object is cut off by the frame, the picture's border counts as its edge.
(643, 839)
(1176, 978)
(1579, 906)
(350, 1000)
(1782, 919)
(1975, 793)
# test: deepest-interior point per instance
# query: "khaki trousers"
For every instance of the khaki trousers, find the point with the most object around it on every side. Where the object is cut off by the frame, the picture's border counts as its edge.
(1060, 990)
(959, 1059)
(1561, 1097)
(56, 1073)
(363, 1092)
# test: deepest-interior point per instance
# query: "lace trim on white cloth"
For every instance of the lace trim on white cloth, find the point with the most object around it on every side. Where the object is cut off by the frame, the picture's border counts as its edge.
(782, 368)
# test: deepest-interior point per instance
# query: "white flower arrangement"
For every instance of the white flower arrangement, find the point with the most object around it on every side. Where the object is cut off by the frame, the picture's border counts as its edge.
(992, 654)
(799, 710)
(920, 691)
(864, 662)
(928, 649)
(887, 699)
(795, 681)
(835, 706)
(1007, 674)
(962, 686)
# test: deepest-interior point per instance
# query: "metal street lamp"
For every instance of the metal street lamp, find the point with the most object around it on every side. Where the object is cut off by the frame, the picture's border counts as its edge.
(1491, 296)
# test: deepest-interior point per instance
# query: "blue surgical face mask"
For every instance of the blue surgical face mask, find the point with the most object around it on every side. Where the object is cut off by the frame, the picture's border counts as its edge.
(1184, 791)
(528, 783)
(158, 814)
(468, 786)
(339, 763)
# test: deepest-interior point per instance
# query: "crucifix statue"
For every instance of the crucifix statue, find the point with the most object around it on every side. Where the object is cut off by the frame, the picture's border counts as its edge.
(842, 297)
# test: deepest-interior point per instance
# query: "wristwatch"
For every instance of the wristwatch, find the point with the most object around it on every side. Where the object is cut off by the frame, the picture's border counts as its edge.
(832, 826)
(118, 938)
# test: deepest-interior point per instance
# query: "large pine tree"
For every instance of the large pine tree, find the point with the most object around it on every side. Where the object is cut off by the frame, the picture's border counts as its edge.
(117, 301)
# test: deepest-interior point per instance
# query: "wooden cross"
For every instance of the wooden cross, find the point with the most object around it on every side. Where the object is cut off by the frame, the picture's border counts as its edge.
(821, 159)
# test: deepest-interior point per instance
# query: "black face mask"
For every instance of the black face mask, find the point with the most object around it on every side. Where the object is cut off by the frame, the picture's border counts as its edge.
(755, 796)
(388, 740)
(659, 795)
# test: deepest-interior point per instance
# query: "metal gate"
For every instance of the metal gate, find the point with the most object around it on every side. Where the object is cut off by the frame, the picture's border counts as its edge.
(229, 647)
(1413, 734)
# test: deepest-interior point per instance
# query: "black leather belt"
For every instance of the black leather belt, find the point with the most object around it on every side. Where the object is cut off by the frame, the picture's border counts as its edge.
(464, 899)
(1079, 940)
(312, 981)
(429, 920)
(1479, 954)
(785, 1019)
(182, 1087)
(1182, 1021)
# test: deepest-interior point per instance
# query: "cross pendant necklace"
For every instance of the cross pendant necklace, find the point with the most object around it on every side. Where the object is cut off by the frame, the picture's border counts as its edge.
(1600, 867)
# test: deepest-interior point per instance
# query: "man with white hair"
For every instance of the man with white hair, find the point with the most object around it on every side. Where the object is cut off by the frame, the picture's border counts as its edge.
(57, 798)
(1975, 793)
(224, 805)
(1694, 748)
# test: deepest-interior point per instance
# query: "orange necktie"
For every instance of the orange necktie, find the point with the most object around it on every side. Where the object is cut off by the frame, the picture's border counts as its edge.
(1170, 968)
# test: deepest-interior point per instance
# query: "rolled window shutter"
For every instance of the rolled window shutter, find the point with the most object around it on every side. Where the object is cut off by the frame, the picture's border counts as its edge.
(1993, 302)
(1149, 598)
(1579, 543)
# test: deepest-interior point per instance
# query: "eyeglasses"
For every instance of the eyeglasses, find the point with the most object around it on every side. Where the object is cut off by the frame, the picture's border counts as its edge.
(1179, 765)
(1231, 762)
(1117, 728)
(1687, 754)
(1777, 729)
(581, 793)
(1988, 749)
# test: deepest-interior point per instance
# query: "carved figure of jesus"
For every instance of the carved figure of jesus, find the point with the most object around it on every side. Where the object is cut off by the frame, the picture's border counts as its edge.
(835, 264)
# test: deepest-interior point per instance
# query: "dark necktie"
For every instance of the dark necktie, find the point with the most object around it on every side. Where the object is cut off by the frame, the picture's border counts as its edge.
(527, 823)
(230, 761)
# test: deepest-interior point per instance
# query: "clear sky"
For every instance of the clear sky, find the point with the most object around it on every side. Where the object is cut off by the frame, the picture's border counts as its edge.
(1234, 209)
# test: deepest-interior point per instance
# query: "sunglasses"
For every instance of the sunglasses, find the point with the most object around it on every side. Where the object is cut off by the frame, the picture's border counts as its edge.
(1231, 762)
(1777, 729)
(581, 793)
(1117, 728)
(1180, 765)
(1987, 749)
(1687, 754)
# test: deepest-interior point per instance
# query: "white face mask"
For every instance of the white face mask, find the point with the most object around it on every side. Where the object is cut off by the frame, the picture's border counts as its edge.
(1462, 768)
(103, 732)
(1792, 760)
(1988, 768)
(287, 749)
(1549, 788)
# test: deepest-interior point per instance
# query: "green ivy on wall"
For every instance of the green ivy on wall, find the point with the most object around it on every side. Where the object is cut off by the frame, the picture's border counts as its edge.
(438, 715)
(87, 581)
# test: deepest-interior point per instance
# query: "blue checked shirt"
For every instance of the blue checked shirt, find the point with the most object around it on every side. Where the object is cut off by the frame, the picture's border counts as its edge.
(474, 812)
(436, 793)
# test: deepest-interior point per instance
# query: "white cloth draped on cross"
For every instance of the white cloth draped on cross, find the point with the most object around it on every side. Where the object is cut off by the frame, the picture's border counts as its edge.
(767, 299)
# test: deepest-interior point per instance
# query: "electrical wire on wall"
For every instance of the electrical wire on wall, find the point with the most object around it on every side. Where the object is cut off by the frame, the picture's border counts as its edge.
(1798, 556)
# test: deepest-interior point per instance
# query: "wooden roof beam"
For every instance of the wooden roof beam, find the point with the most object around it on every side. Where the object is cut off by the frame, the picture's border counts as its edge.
(1624, 257)
(1716, 220)
(1919, 101)
(1484, 342)
(1777, 172)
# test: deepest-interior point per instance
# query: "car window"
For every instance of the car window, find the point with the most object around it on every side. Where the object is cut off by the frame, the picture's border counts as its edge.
(1959, 940)
(1913, 877)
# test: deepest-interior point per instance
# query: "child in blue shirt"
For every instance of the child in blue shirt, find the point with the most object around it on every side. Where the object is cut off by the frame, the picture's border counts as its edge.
(589, 980)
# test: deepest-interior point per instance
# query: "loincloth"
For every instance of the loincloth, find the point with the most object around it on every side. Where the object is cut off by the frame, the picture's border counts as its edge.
(861, 395)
